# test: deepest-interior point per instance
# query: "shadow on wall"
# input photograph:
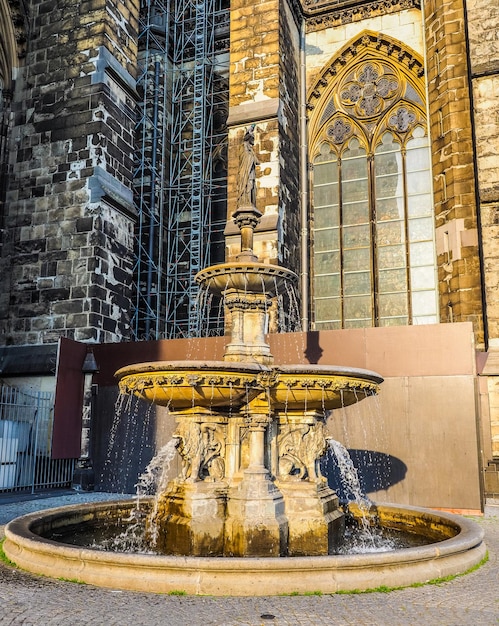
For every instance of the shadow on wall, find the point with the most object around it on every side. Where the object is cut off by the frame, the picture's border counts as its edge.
(313, 351)
(377, 471)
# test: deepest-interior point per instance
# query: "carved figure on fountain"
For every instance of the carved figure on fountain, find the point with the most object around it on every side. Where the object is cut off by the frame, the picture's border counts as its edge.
(201, 447)
(300, 447)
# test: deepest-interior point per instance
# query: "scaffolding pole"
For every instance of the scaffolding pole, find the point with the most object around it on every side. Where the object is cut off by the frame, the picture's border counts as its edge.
(181, 163)
(150, 171)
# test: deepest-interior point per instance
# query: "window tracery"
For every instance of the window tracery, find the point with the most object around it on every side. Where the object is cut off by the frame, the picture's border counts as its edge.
(373, 254)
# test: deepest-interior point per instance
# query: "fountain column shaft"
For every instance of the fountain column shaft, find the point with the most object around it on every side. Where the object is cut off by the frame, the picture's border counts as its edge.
(256, 447)
(249, 314)
(256, 524)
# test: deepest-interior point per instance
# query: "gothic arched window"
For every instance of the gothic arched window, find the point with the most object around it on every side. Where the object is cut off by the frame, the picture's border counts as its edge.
(373, 253)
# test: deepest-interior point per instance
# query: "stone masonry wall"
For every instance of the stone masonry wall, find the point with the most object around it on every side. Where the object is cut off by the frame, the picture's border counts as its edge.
(483, 26)
(289, 189)
(264, 92)
(453, 167)
(67, 254)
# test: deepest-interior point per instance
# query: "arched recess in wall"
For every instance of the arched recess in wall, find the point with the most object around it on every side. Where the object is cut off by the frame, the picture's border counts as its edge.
(372, 225)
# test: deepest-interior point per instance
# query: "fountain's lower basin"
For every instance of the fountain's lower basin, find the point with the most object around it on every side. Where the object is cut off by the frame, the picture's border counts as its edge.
(316, 387)
(185, 384)
(460, 546)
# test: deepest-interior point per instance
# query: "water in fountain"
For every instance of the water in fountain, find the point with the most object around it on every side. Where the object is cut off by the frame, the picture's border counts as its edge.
(138, 532)
(349, 476)
(361, 536)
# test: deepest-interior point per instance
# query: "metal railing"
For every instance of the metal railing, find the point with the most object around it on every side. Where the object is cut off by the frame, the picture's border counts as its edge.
(26, 423)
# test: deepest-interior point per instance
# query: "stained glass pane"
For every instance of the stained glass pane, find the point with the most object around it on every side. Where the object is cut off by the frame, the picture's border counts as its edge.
(357, 213)
(326, 216)
(392, 280)
(354, 191)
(328, 325)
(411, 94)
(388, 144)
(389, 233)
(423, 277)
(325, 173)
(422, 253)
(419, 137)
(424, 303)
(356, 236)
(358, 323)
(354, 169)
(389, 186)
(355, 149)
(391, 256)
(403, 320)
(358, 259)
(327, 239)
(425, 319)
(393, 305)
(420, 204)
(325, 195)
(326, 154)
(390, 209)
(421, 229)
(358, 308)
(418, 158)
(416, 183)
(328, 309)
(357, 283)
(328, 285)
(326, 262)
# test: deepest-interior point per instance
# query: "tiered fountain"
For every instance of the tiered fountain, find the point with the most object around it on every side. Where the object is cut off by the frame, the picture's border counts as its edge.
(250, 435)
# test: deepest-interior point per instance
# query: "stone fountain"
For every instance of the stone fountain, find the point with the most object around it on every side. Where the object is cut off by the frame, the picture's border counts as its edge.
(250, 433)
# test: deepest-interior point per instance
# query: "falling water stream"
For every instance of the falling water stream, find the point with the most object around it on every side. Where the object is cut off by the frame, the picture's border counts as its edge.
(361, 536)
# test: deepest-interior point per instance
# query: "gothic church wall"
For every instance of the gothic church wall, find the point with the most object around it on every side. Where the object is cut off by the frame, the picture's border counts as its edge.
(67, 253)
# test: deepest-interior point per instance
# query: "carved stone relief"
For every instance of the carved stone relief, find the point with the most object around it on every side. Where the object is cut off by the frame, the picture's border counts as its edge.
(300, 447)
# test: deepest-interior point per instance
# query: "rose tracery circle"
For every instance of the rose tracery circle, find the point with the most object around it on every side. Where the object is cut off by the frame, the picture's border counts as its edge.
(370, 90)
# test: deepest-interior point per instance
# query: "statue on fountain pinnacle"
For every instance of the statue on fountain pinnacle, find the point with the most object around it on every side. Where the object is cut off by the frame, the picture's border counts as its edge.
(246, 186)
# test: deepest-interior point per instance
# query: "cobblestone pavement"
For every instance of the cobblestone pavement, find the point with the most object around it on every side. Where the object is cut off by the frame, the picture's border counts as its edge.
(30, 600)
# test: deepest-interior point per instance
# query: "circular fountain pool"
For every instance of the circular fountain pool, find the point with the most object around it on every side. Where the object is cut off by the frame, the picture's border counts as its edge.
(457, 544)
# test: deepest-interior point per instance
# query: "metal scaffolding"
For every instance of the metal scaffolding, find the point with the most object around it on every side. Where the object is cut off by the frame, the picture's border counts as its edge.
(180, 176)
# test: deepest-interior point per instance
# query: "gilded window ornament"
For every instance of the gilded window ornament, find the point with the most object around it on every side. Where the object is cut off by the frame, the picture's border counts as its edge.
(403, 119)
(370, 92)
(339, 130)
(368, 177)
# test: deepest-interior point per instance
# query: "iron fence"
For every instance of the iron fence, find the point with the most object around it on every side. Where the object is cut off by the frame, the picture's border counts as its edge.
(26, 424)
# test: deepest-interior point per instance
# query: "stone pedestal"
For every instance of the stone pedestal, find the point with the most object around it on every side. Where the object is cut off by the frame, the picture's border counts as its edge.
(256, 524)
(190, 519)
(316, 524)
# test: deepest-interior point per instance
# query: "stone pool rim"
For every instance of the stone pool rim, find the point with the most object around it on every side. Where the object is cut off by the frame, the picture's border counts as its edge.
(242, 576)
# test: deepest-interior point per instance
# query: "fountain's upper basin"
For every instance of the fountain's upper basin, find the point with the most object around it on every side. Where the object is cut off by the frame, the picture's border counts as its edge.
(251, 277)
(184, 384)
(325, 387)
